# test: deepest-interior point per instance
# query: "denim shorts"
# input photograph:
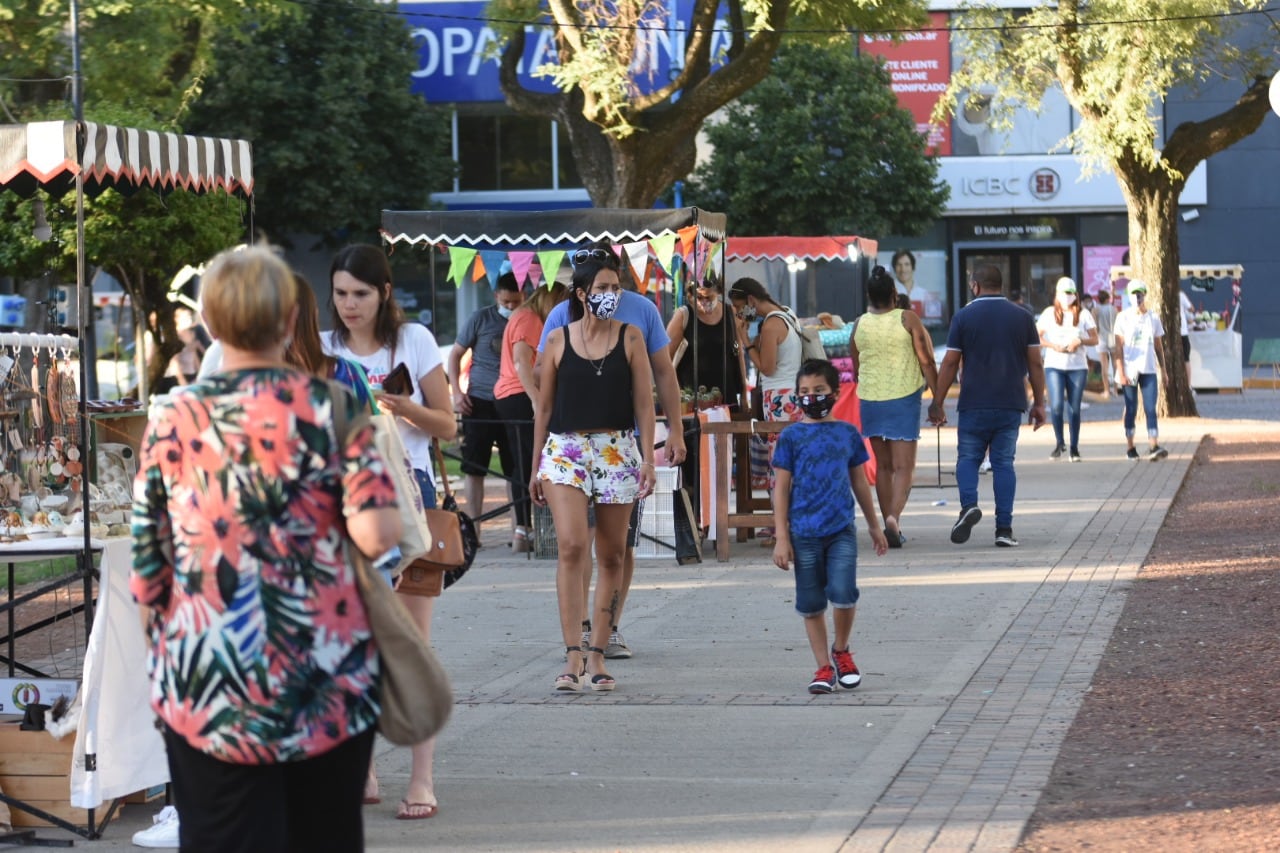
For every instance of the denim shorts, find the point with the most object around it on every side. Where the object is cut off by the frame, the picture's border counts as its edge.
(605, 465)
(892, 420)
(826, 570)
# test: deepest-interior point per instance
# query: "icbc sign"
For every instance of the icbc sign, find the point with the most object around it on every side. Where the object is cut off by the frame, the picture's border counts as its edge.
(1044, 184)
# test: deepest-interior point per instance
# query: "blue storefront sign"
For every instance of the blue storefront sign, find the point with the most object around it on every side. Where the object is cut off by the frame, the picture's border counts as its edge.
(458, 51)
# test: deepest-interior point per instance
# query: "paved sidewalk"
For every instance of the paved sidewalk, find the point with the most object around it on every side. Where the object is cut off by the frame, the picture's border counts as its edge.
(974, 658)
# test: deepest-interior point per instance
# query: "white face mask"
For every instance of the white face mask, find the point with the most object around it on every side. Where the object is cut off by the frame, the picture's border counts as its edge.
(505, 312)
(1067, 299)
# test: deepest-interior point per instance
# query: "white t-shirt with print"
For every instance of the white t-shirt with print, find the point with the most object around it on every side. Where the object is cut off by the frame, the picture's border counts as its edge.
(418, 349)
(1139, 330)
(1061, 334)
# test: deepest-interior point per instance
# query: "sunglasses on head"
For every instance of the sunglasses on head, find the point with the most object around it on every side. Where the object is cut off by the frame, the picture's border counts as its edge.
(603, 256)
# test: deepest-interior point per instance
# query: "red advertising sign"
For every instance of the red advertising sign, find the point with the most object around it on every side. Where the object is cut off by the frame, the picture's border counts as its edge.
(919, 69)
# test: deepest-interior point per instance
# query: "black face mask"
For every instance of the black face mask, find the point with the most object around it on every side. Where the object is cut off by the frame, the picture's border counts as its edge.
(817, 406)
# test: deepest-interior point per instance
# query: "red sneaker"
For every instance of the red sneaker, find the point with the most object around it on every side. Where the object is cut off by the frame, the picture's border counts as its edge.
(824, 680)
(849, 677)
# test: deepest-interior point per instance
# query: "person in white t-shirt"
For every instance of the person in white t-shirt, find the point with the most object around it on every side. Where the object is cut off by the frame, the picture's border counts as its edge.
(1065, 330)
(1186, 316)
(1139, 355)
(370, 329)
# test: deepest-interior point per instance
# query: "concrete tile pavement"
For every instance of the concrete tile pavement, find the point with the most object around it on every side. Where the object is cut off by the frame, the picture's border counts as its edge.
(975, 660)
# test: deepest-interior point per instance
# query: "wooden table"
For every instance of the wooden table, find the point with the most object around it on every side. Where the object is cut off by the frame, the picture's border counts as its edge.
(751, 512)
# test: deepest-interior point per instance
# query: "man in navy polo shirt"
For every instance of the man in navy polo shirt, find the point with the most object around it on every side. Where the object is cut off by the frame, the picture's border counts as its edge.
(997, 343)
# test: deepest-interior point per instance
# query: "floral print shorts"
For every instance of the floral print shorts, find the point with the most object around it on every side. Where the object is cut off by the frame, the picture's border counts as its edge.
(605, 465)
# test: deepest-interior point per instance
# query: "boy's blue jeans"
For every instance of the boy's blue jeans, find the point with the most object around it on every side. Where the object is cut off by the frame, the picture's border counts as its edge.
(1065, 388)
(1147, 385)
(826, 570)
(993, 431)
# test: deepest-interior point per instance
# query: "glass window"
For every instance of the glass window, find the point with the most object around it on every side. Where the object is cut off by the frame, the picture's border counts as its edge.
(506, 152)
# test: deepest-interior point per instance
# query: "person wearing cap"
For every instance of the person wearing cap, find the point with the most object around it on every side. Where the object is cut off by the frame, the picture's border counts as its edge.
(997, 344)
(1139, 353)
(1065, 331)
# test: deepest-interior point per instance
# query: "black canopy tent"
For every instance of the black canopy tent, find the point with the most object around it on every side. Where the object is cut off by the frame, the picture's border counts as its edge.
(61, 156)
(546, 229)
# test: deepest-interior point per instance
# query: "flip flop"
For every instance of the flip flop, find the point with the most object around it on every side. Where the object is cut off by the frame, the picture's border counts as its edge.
(405, 811)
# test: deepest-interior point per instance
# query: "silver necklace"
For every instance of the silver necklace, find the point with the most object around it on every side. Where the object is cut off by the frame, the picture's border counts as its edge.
(599, 366)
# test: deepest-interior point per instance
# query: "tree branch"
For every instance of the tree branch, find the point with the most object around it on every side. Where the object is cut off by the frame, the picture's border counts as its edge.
(520, 99)
(1195, 141)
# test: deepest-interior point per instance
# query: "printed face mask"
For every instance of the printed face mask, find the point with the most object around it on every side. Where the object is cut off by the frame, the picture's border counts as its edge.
(748, 312)
(817, 406)
(603, 304)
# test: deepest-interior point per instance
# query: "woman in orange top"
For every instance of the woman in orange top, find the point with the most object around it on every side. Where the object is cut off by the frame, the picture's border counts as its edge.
(515, 391)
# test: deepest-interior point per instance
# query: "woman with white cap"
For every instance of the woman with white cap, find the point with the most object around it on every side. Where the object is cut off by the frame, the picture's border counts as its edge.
(1139, 355)
(1065, 331)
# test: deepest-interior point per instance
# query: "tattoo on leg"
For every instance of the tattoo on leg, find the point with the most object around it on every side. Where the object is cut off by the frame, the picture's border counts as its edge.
(613, 608)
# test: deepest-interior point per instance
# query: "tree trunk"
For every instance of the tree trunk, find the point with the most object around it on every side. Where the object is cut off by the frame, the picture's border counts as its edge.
(1152, 200)
(630, 173)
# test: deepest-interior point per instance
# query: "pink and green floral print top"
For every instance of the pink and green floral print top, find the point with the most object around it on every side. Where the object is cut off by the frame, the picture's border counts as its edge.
(260, 646)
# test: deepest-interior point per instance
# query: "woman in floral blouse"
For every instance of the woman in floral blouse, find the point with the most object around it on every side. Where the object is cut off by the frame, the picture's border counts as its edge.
(262, 664)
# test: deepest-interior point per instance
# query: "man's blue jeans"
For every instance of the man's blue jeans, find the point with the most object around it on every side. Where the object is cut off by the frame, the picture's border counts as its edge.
(995, 432)
(1065, 388)
(1147, 385)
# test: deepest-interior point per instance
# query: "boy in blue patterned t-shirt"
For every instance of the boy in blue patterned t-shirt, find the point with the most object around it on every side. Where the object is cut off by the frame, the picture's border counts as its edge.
(823, 457)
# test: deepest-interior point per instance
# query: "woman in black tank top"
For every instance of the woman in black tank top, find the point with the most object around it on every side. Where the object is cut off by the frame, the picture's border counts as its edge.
(593, 427)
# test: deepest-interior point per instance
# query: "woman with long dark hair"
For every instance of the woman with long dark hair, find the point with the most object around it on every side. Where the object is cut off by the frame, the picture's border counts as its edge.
(370, 329)
(1065, 331)
(594, 426)
(776, 352)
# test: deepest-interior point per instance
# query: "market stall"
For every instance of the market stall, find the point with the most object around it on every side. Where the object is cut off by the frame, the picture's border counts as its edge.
(45, 450)
(1217, 347)
(664, 250)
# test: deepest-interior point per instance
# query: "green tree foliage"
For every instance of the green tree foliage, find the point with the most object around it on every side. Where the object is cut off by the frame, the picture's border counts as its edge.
(337, 135)
(1116, 61)
(143, 55)
(820, 147)
(141, 239)
(632, 138)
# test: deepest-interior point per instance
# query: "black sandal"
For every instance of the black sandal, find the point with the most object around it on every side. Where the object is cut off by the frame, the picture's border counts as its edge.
(568, 681)
(600, 682)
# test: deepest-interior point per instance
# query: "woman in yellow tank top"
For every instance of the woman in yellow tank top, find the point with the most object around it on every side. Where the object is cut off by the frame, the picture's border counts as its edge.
(892, 364)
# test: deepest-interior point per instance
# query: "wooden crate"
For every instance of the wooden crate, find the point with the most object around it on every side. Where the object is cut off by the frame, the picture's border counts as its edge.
(36, 769)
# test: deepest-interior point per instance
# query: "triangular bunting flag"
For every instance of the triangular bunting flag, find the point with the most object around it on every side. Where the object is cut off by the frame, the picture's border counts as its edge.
(535, 276)
(520, 262)
(638, 256)
(663, 245)
(493, 260)
(716, 250)
(478, 271)
(688, 236)
(459, 260)
(550, 263)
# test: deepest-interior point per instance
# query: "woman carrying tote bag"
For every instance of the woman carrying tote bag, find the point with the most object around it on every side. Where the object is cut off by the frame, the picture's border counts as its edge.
(370, 329)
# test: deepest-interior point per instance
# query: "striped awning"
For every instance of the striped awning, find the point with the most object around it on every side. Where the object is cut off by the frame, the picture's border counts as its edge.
(44, 155)
(829, 248)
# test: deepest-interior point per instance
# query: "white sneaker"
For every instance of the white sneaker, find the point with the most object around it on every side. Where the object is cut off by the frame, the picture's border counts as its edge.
(163, 831)
(985, 467)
